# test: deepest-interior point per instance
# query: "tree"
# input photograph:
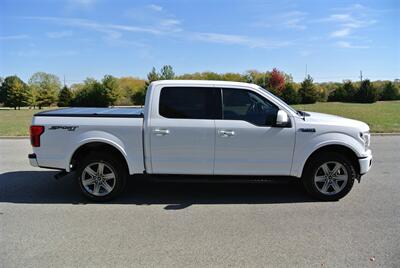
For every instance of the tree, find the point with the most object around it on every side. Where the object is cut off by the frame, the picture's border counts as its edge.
(91, 94)
(65, 97)
(151, 77)
(344, 92)
(167, 73)
(390, 92)
(307, 91)
(255, 77)
(14, 92)
(48, 87)
(129, 86)
(2, 94)
(32, 96)
(290, 95)
(112, 88)
(276, 82)
(367, 93)
(138, 97)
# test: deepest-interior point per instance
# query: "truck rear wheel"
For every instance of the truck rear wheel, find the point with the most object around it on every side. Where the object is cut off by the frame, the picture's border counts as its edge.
(101, 177)
(329, 176)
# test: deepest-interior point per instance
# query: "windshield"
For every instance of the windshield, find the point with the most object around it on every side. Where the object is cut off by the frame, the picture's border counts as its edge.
(280, 101)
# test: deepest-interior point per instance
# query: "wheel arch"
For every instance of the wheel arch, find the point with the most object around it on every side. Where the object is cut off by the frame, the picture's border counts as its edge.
(337, 148)
(97, 146)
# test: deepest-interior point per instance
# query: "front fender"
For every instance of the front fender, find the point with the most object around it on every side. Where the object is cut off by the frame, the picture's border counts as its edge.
(306, 145)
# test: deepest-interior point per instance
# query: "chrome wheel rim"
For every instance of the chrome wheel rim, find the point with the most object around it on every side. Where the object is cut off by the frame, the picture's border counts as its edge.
(98, 179)
(331, 178)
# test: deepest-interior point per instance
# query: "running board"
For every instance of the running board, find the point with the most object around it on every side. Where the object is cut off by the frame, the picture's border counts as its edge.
(220, 179)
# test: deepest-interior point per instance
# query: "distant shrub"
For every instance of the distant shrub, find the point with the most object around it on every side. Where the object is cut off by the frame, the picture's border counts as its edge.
(344, 93)
(390, 92)
(290, 95)
(64, 97)
(367, 93)
(92, 94)
(307, 92)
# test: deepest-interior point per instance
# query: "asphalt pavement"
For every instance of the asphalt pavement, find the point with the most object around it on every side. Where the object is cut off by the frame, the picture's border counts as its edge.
(47, 223)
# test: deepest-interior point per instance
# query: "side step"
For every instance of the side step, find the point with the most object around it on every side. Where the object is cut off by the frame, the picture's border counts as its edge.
(220, 179)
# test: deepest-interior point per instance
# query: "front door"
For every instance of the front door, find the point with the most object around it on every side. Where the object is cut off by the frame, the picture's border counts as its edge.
(183, 133)
(247, 143)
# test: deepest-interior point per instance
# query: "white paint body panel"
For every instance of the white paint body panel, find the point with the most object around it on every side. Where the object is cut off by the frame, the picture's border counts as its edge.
(191, 146)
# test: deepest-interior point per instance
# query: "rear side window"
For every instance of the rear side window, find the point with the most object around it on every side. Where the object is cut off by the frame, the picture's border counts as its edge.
(239, 104)
(190, 102)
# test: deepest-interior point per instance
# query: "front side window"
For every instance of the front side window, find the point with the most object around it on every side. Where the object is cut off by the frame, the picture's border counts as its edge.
(239, 104)
(189, 102)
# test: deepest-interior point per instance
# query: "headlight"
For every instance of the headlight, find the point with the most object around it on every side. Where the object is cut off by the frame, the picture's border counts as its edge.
(366, 136)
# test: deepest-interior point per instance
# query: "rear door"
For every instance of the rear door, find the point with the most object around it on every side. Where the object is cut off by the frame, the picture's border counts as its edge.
(183, 132)
(247, 142)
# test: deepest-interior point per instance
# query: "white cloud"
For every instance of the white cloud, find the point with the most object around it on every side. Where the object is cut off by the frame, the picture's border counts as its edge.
(81, 3)
(233, 39)
(14, 37)
(292, 19)
(169, 22)
(154, 7)
(345, 44)
(349, 20)
(114, 32)
(341, 33)
(59, 34)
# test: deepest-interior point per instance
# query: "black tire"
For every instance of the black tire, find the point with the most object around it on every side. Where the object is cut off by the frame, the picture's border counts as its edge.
(311, 178)
(112, 165)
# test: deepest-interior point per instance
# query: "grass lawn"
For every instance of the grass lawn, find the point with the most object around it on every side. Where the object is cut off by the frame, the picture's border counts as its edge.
(16, 122)
(383, 116)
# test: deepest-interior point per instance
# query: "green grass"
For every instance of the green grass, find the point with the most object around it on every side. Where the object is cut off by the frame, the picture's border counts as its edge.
(16, 122)
(383, 116)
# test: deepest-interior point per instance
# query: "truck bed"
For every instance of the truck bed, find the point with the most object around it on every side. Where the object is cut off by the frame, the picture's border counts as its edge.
(132, 112)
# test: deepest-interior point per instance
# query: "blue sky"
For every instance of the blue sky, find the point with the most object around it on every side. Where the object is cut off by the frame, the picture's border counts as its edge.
(90, 38)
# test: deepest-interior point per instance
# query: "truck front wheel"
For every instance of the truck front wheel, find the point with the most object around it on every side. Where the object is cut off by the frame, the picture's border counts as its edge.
(329, 176)
(101, 177)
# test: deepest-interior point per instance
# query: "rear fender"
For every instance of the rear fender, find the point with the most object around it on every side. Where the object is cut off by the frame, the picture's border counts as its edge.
(103, 137)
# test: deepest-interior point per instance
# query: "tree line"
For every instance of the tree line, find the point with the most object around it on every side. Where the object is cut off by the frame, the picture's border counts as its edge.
(44, 89)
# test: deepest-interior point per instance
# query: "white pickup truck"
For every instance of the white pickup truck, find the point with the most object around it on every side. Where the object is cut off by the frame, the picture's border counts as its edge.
(202, 128)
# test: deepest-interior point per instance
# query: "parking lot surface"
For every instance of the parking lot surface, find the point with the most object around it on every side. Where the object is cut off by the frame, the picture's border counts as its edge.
(47, 223)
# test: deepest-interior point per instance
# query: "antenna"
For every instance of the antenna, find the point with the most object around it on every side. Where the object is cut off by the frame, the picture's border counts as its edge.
(361, 76)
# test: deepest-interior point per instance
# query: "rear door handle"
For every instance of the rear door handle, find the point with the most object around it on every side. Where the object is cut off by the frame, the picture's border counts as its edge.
(226, 133)
(161, 131)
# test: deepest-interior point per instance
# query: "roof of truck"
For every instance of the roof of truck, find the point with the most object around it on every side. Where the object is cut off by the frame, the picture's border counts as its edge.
(203, 82)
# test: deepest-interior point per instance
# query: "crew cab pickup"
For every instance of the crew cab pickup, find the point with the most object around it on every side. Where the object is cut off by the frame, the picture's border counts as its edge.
(206, 128)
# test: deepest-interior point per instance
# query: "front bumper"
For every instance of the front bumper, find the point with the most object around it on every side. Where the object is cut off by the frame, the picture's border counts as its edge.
(33, 160)
(365, 163)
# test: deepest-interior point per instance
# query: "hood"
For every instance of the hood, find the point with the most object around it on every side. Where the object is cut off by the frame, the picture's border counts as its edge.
(320, 118)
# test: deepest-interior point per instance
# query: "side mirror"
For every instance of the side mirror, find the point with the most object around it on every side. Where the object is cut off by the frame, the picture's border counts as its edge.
(282, 119)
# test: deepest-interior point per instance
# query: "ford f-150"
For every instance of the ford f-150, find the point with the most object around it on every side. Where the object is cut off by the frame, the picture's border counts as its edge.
(206, 128)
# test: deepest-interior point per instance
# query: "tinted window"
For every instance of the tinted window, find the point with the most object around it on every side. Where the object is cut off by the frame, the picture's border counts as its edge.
(248, 106)
(189, 102)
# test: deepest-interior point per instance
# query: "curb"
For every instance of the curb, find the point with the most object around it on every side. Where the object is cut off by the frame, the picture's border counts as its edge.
(27, 137)
(13, 137)
(386, 134)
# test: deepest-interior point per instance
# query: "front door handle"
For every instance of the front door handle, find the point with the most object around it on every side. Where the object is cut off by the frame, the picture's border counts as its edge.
(161, 131)
(226, 133)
